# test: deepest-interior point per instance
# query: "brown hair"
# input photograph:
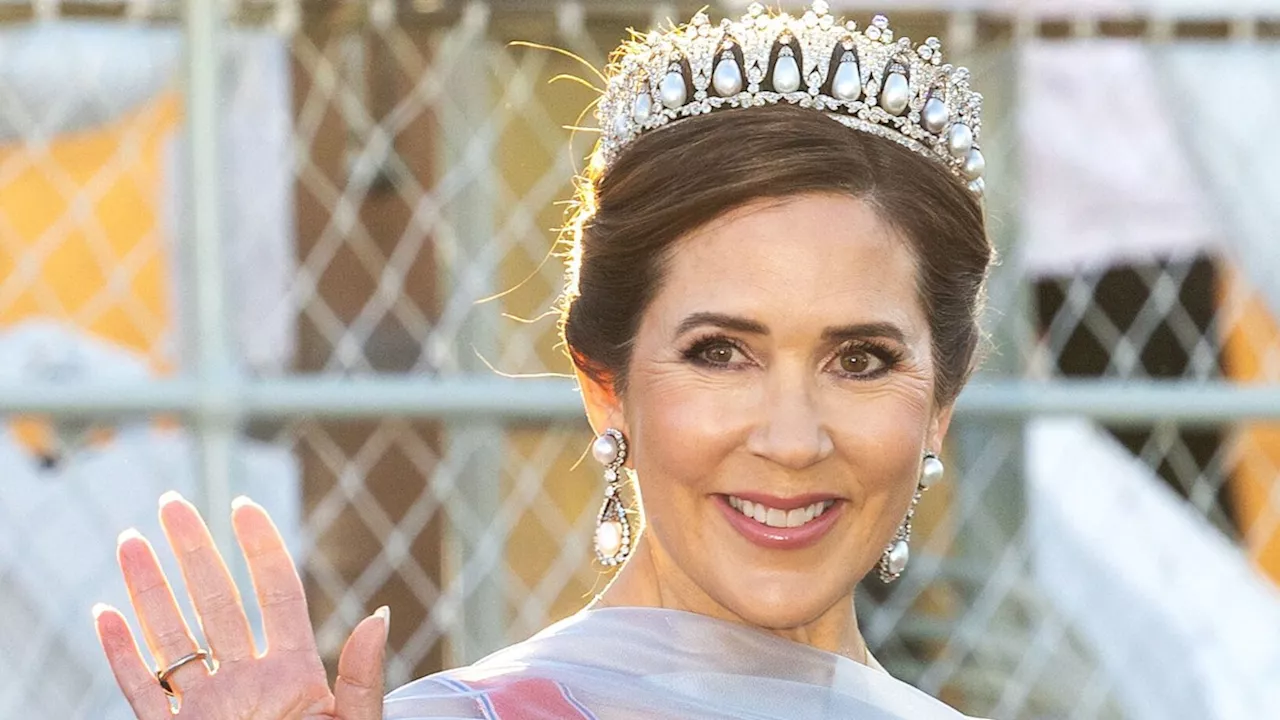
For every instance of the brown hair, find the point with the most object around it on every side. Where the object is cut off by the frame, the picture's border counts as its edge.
(670, 182)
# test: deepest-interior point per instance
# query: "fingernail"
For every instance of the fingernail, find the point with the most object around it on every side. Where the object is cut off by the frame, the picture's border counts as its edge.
(129, 534)
(242, 501)
(384, 612)
(171, 496)
(99, 608)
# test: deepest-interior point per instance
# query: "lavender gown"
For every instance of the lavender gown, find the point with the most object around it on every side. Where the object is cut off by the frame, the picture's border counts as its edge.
(630, 663)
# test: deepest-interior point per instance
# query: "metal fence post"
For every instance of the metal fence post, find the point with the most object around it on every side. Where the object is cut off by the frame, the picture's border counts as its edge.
(475, 559)
(206, 333)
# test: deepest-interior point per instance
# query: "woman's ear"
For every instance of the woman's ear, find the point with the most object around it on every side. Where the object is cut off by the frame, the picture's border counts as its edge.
(938, 428)
(604, 408)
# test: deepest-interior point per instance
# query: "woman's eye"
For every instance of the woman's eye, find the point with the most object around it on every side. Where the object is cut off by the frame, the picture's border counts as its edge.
(720, 354)
(859, 362)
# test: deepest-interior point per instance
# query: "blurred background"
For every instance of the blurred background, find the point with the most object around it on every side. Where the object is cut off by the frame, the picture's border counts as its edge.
(245, 247)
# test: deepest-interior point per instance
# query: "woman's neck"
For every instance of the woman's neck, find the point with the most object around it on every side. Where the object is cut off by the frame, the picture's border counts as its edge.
(647, 580)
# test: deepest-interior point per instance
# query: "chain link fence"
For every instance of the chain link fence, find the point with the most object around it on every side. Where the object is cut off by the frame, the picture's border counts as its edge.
(304, 251)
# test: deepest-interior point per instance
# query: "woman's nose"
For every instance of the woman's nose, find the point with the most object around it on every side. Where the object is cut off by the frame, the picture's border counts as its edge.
(789, 430)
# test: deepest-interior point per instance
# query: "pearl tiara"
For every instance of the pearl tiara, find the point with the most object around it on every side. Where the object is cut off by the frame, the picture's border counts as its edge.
(864, 79)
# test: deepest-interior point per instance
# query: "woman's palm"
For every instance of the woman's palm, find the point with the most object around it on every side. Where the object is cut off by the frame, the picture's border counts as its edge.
(288, 680)
(273, 686)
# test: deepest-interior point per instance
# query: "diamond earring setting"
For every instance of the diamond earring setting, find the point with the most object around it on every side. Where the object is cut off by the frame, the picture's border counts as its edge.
(613, 530)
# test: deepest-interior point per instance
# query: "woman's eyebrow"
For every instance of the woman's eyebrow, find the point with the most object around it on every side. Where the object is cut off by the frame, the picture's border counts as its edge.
(886, 330)
(723, 321)
(858, 331)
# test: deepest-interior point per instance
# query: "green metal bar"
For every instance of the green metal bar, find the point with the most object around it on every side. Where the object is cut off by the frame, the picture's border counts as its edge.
(487, 397)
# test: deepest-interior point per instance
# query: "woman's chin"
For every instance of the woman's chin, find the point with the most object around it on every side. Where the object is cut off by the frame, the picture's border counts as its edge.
(779, 606)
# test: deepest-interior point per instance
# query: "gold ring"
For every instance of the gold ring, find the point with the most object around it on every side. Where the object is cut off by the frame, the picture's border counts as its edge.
(163, 675)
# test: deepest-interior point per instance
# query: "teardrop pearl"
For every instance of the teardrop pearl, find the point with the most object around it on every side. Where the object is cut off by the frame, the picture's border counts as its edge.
(959, 140)
(643, 108)
(935, 115)
(931, 472)
(605, 449)
(847, 84)
(727, 78)
(672, 90)
(974, 164)
(609, 538)
(896, 94)
(898, 557)
(786, 75)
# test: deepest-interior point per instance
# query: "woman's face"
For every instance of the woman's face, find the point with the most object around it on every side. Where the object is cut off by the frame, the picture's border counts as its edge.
(785, 362)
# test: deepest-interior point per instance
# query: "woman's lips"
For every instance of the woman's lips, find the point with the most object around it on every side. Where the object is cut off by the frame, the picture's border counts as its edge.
(780, 538)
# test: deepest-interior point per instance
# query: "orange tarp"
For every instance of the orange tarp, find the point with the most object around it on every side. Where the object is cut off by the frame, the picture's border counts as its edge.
(80, 231)
(1251, 345)
(81, 240)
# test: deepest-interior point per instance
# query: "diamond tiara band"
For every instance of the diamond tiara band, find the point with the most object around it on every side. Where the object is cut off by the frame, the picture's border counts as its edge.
(864, 79)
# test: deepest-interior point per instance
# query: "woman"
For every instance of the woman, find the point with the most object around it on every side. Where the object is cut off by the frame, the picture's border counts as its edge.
(770, 315)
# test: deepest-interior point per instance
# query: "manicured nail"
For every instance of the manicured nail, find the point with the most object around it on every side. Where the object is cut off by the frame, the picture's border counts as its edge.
(242, 501)
(129, 534)
(171, 496)
(99, 608)
(384, 612)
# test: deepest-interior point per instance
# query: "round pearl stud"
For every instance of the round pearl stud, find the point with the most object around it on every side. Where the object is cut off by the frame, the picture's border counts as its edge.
(605, 449)
(931, 472)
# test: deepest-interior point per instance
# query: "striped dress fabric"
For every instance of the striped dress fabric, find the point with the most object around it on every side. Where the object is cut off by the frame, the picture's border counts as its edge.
(656, 664)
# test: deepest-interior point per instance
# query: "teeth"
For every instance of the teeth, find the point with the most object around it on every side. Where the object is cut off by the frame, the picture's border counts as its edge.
(796, 517)
(773, 517)
(776, 518)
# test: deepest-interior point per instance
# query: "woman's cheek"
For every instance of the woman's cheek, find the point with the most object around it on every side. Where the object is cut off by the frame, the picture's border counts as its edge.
(687, 421)
(881, 418)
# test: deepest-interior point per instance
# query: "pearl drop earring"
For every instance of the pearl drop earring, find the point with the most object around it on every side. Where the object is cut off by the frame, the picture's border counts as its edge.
(613, 530)
(898, 552)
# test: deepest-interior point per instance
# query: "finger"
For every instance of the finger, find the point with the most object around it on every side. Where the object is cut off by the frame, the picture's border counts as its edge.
(163, 626)
(275, 579)
(213, 592)
(358, 691)
(135, 679)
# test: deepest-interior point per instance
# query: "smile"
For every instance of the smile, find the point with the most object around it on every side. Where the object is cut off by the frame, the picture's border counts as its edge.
(801, 523)
(777, 518)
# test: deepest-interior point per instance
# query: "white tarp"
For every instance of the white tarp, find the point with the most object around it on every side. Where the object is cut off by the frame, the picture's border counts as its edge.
(58, 525)
(1175, 612)
(1105, 179)
(1227, 122)
(1135, 152)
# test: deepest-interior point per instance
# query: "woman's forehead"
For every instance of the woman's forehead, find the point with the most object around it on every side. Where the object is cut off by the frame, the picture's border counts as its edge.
(808, 254)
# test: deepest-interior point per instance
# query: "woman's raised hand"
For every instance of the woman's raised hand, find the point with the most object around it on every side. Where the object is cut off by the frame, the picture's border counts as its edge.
(286, 680)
